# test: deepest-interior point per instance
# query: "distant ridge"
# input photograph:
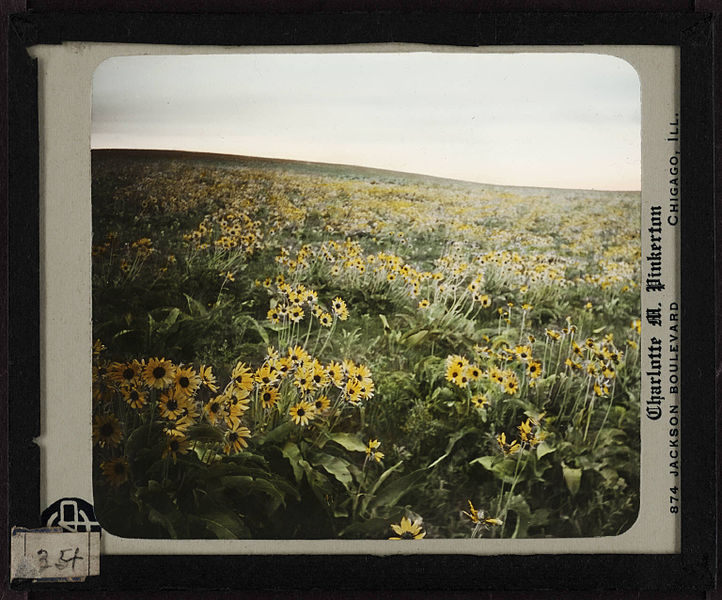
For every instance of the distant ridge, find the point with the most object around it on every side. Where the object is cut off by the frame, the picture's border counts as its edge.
(321, 168)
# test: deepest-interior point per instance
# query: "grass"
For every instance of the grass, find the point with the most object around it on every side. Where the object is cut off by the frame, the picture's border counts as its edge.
(291, 350)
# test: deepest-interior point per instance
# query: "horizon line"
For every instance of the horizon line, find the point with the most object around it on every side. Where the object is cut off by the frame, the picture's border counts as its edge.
(357, 166)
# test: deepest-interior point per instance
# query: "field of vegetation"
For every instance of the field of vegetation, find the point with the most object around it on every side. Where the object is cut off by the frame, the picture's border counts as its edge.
(286, 350)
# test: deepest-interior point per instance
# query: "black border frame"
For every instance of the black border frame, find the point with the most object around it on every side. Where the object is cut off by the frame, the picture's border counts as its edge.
(693, 569)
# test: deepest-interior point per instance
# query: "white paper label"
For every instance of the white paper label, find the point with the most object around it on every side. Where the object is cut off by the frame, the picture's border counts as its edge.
(53, 554)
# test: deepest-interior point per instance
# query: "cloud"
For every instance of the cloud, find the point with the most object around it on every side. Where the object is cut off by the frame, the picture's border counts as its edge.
(571, 120)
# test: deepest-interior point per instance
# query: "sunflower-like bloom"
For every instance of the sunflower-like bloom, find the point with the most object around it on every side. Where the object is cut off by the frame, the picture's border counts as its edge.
(507, 449)
(303, 378)
(176, 445)
(298, 355)
(477, 517)
(474, 515)
(268, 396)
(319, 375)
(124, 373)
(295, 314)
(266, 375)
(172, 404)
(283, 366)
(406, 530)
(534, 369)
(187, 381)
(479, 400)
(159, 373)
(366, 389)
(473, 372)
(353, 391)
(458, 361)
(325, 319)
(302, 413)
(321, 404)
(529, 432)
(214, 409)
(335, 372)
(242, 380)
(523, 353)
(458, 375)
(208, 379)
(372, 452)
(135, 395)
(553, 334)
(338, 306)
(107, 430)
(116, 470)
(511, 383)
(235, 439)
(179, 427)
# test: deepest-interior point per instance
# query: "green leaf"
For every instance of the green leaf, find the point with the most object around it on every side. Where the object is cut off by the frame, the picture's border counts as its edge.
(573, 478)
(171, 318)
(485, 461)
(416, 338)
(370, 528)
(452, 442)
(503, 469)
(195, 307)
(385, 321)
(292, 452)
(392, 493)
(258, 327)
(523, 515)
(383, 477)
(543, 449)
(277, 434)
(338, 467)
(239, 482)
(349, 441)
(225, 525)
(121, 333)
(204, 432)
(277, 497)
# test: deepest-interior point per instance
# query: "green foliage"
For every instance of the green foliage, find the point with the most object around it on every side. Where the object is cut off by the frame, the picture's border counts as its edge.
(192, 258)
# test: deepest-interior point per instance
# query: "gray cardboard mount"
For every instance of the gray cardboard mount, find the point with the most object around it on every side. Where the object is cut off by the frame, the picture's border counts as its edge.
(65, 98)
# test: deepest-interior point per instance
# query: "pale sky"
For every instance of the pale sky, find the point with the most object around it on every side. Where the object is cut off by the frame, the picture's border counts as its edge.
(535, 119)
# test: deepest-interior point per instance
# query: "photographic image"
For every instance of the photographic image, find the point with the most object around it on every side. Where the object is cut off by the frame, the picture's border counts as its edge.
(366, 295)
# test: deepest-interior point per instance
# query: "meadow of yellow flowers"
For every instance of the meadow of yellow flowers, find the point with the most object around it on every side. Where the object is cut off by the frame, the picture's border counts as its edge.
(288, 350)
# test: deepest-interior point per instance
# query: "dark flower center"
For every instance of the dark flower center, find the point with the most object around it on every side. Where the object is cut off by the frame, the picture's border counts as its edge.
(317, 378)
(300, 412)
(106, 430)
(172, 405)
(184, 382)
(232, 437)
(159, 372)
(215, 407)
(134, 395)
(128, 373)
(267, 396)
(407, 535)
